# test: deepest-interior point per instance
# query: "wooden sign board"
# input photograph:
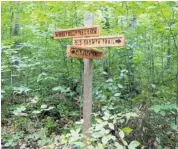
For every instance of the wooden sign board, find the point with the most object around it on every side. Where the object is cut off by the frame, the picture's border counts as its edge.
(105, 41)
(84, 52)
(77, 32)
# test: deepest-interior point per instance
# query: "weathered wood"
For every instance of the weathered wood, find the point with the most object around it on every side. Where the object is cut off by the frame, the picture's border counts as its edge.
(84, 52)
(89, 31)
(87, 103)
(105, 41)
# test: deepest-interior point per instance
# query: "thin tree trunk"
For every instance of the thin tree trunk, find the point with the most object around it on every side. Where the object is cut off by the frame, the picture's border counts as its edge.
(169, 60)
(14, 32)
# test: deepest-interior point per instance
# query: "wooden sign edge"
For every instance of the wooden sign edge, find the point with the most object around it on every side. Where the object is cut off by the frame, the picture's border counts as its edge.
(85, 48)
(97, 34)
(104, 37)
(124, 42)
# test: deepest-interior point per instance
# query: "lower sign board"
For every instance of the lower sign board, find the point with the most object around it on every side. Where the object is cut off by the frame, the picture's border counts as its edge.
(84, 52)
(105, 41)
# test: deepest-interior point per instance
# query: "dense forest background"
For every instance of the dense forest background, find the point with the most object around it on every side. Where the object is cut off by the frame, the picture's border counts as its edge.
(135, 88)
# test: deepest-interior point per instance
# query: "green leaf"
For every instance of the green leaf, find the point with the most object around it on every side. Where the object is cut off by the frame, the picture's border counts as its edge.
(73, 139)
(96, 134)
(9, 143)
(130, 114)
(40, 77)
(163, 113)
(43, 106)
(124, 142)
(175, 8)
(105, 140)
(119, 85)
(111, 126)
(68, 89)
(105, 118)
(63, 141)
(127, 130)
(21, 90)
(133, 144)
(98, 120)
(106, 115)
(50, 108)
(20, 109)
(17, 113)
(117, 94)
(36, 112)
(50, 124)
(100, 146)
(119, 146)
(121, 134)
(111, 137)
(109, 81)
(99, 126)
(174, 126)
(105, 73)
(59, 88)
(79, 144)
(75, 133)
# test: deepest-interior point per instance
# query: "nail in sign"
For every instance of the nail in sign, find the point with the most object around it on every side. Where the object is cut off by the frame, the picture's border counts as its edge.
(84, 52)
(105, 41)
(77, 32)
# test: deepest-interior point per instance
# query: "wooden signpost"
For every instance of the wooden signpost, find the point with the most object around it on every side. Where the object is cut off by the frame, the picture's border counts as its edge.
(77, 32)
(87, 102)
(105, 41)
(84, 52)
(81, 48)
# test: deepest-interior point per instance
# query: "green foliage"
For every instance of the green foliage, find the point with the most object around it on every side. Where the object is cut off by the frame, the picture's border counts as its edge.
(19, 111)
(102, 132)
(11, 139)
(42, 89)
(165, 109)
(38, 138)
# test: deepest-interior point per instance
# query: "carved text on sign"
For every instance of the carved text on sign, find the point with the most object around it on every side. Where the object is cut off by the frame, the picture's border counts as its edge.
(107, 41)
(84, 52)
(77, 32)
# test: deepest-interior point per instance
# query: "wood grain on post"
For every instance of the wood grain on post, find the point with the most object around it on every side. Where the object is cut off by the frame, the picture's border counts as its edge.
(87, 104)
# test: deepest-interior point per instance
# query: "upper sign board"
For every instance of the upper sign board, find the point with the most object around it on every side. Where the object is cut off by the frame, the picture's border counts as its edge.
(77, 32)
(105, 41)
(84, 52)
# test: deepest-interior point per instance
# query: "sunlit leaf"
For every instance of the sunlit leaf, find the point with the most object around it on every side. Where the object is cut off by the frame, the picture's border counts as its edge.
(127, 130)
(111, 126)
(133, 144)
(36, 112)
(121, 134)
(43, 106)
(117, 94)
(105, 140)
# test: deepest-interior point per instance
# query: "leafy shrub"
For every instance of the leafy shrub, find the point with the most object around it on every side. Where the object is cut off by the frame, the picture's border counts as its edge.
(108, 131)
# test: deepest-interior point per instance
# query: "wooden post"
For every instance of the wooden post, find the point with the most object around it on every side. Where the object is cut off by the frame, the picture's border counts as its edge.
(87, 104)
(85, 51)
